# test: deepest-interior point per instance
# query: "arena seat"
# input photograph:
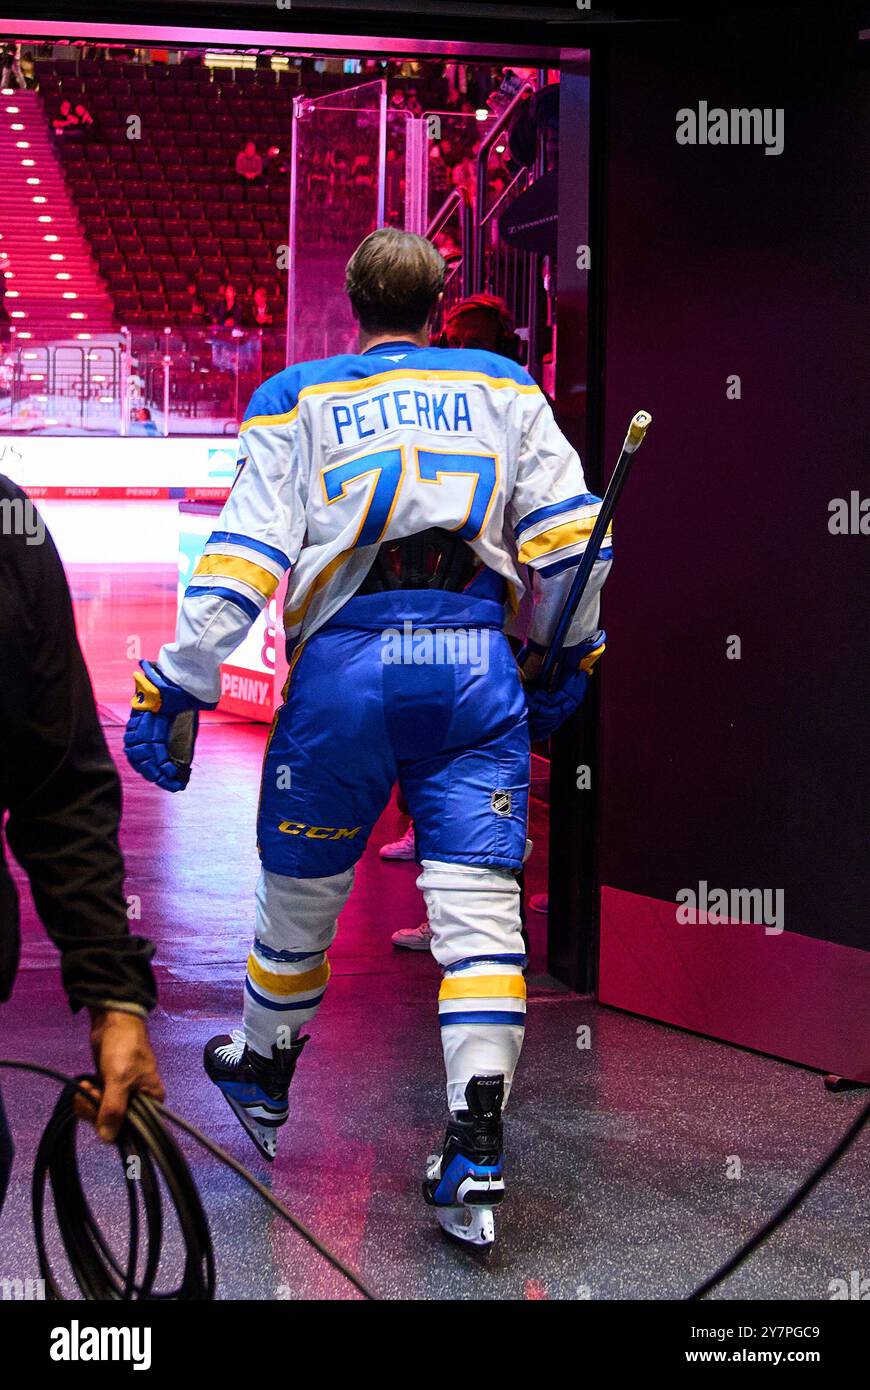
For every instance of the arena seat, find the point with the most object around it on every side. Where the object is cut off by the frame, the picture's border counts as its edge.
(167, 209)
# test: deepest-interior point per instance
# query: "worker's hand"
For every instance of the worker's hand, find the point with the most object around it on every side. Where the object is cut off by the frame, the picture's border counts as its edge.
(125, 1063)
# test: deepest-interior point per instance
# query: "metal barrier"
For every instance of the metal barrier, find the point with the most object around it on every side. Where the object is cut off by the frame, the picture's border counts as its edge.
(457, 281)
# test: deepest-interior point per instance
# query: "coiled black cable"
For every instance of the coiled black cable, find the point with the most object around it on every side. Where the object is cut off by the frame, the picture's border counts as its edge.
(146, 1150)
(144, 1140)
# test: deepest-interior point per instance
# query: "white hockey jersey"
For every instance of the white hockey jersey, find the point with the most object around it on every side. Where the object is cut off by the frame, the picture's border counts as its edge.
(339, 455)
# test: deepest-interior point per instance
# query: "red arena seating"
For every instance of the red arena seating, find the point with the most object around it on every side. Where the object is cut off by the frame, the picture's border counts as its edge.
(168, 208)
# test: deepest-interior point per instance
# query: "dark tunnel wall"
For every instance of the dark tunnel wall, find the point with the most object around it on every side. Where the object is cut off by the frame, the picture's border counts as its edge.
(723, 260)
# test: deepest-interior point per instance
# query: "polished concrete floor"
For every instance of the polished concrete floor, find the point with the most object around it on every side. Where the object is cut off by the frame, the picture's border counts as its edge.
(636, 1164)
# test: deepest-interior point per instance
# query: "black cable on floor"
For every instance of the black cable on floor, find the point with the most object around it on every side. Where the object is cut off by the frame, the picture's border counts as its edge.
(144, 1139)
(785, 1211)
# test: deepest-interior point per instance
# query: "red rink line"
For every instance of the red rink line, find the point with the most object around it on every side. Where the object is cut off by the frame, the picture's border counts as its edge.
(138, 494)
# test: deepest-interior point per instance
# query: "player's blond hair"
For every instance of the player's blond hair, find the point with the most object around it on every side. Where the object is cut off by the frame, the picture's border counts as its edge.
(393, 280)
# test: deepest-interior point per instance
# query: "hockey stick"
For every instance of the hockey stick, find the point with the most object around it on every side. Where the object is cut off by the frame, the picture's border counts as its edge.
(634, 438)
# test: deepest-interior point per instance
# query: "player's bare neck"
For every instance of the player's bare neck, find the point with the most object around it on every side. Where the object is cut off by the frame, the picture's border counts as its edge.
(370, 340)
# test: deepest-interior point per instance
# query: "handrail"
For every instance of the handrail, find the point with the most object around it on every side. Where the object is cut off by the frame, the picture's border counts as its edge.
(445, 212)
(457, 199)
(482, 164)
(503, 197)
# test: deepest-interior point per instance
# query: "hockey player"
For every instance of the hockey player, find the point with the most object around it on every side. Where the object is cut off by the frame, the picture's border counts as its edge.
(402, 487)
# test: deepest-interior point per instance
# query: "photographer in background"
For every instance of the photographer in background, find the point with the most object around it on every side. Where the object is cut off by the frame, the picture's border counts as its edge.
(63, 795)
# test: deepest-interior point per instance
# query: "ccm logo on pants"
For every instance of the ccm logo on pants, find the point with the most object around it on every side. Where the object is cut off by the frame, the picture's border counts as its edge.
(317, 832)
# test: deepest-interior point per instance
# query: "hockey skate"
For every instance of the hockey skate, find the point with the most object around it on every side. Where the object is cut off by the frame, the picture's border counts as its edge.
(254, 1087)
(464, 1182)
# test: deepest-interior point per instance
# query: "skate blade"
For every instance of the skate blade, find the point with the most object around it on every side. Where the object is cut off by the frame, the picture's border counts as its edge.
(471, 1225)
(263, 1137)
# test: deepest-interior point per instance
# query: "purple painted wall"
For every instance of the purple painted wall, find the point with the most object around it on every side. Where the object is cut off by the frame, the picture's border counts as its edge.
(744, 773)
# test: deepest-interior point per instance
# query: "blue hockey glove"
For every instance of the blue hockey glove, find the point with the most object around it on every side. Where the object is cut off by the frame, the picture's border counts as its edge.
(548, 709)
(161, 731)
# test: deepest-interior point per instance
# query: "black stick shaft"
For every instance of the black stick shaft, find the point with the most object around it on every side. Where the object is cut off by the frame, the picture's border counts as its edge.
(633, 439)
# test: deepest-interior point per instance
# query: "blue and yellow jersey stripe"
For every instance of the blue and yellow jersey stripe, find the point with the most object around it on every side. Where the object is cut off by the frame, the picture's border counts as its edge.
(234, 567)
(240, 569)
(560, 530)
(576, 532)
(276, 403)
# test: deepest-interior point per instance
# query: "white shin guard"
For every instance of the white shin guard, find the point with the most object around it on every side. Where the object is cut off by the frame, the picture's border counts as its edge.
(474, 914)
(287, 968)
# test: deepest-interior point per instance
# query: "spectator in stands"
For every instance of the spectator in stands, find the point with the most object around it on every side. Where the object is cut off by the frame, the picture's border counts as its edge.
(74, 124)
(455, 76)
(28, 67)
(449, 151)
(83, 127)
(394, 185)
(439, 174)
(249, 165)
(361, 173)
(11, 69)
(412, 102)
(261, 311)
(338, 163)
(448, 246)
(193, 58)
(495, 188)
(277, 165)
(64, 118)
(226, 311)
(195, 305)
(464, 175)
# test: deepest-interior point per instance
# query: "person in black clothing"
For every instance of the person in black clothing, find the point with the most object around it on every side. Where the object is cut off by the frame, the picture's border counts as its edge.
(63, 795)
(226, 312)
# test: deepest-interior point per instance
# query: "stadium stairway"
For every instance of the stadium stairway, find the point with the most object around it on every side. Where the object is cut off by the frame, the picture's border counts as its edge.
(53, 288)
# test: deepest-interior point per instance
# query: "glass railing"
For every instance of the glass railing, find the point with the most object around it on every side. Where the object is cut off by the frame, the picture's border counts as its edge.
(144, 381)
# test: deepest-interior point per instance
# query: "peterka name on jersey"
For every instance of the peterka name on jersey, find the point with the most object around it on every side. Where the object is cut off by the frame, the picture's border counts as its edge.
(446, 412)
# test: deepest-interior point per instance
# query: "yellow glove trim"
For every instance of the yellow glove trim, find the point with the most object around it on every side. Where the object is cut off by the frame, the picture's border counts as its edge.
(147, 695)
(590, 659)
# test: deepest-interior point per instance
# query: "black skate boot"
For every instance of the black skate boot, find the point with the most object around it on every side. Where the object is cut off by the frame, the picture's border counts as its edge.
(254, 1087)
(464, 1182)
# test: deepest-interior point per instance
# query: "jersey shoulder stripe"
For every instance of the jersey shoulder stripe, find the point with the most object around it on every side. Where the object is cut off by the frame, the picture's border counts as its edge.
(276, 402)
